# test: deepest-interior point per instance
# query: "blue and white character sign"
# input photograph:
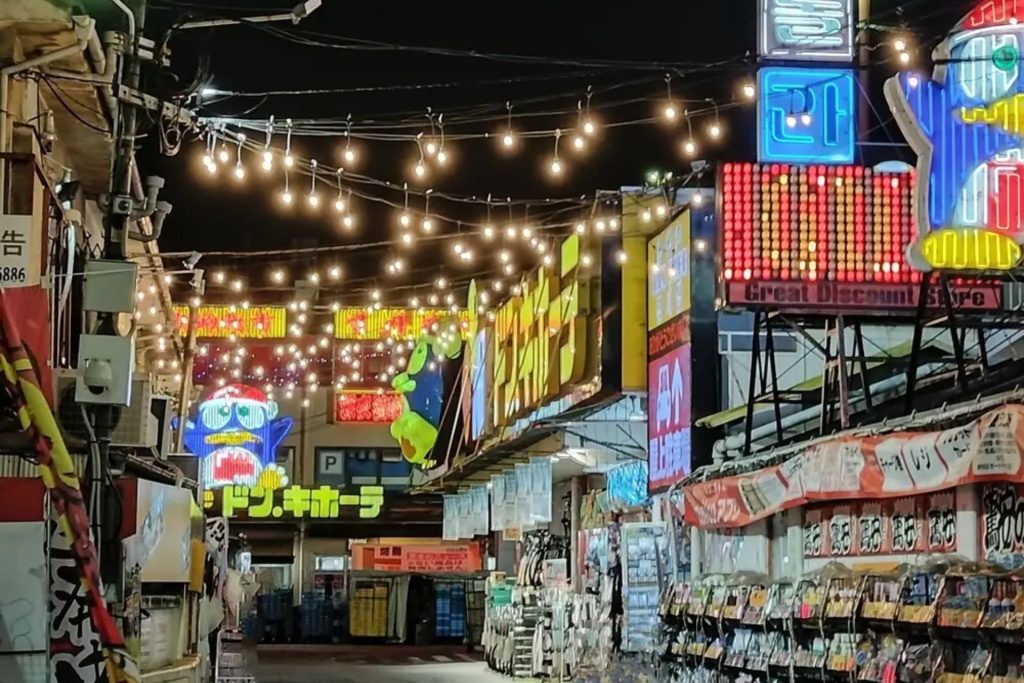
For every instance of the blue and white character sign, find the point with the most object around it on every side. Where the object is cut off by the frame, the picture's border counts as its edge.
(806, 115)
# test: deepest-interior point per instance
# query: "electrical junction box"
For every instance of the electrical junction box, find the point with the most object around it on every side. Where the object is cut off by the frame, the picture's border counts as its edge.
(110, 286)
(105, 364)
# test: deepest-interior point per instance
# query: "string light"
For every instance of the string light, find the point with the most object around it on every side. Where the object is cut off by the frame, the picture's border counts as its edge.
(219, 277)
(339, 203)
(715, 127)
(239, 169)
(289, 160)
(589, 126)
(690, 145)
(407, 239)
(556, 164)
(349, 154)
(268, 156)
(427, 225)
(508, 140)
(749, 90)
(313, 198)
(581, 228)
(669, 111)
(621, 256)
(420, 169)
(286, 196)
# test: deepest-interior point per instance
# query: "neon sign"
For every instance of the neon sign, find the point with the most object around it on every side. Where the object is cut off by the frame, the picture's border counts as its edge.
(783, 223)
(236, 435)
(540, 339)
(218, 322)
(966, 126)
(294, 502)
(398, 323)
(668, 285)
(421, 388)
(812, 30)
(366, 406)
(806, 115)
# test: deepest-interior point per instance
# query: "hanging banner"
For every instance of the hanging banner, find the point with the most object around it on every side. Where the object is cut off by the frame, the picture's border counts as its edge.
(1002, 525)
(894, 526)
(989, 449)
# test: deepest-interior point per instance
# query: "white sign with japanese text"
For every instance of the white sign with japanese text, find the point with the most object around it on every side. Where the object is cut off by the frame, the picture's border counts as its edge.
(18, 255)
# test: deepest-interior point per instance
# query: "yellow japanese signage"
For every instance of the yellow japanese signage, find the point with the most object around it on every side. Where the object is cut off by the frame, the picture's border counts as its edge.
(218, 322)
(545, 340)
(398, 323)
(668, 283)
(293, 502)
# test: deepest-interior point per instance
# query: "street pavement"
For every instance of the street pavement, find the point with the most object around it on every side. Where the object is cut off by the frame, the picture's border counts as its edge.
(371, 664)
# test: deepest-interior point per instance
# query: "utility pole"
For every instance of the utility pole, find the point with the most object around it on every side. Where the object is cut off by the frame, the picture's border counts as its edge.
(122, 204)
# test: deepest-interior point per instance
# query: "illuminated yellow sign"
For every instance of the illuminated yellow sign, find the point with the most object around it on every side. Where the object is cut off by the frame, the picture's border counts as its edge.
(668, 283)
(542, 338)
(970, 249)
(293, 502)
(218, 322)
(398, 323)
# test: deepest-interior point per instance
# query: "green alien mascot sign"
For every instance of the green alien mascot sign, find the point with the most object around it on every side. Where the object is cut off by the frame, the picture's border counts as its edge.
(422, 389)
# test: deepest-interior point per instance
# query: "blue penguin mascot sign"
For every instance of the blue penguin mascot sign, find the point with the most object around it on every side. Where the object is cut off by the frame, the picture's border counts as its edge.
(236, 433)
(422, 389)
(966, 124)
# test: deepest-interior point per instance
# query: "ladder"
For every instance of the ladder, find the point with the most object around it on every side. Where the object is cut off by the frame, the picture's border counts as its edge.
(231, 665)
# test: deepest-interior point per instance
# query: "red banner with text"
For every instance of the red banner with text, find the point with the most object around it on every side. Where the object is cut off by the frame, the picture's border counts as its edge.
(882, 527)
(989, 449)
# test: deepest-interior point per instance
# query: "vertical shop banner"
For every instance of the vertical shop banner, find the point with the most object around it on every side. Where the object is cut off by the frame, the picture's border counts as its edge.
(898, 526)
(669, 356)
(668, 414)
(1002, 524)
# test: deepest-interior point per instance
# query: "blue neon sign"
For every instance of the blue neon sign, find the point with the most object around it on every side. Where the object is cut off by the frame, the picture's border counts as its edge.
(807, 115)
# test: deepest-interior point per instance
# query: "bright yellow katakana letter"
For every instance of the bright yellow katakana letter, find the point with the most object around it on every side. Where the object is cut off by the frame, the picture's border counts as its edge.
(262, 509)
(325, 503)
(371, 498)
(296, 500)
(234, 498)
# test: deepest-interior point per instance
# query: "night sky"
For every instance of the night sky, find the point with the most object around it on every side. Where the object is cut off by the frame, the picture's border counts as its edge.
(213, 214)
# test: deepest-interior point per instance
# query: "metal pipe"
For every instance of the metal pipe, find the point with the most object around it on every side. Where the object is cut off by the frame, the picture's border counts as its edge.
(82, 32)
(731, 446)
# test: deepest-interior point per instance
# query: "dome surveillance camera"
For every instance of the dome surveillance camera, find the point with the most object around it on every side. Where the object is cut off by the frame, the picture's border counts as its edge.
(98, 376)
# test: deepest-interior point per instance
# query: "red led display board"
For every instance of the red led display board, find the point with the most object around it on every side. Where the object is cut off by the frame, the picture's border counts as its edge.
(361, 406)
(824, 238)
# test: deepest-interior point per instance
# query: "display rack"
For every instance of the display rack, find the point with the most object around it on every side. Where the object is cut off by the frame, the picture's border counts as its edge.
(931, 624)
(231, 665)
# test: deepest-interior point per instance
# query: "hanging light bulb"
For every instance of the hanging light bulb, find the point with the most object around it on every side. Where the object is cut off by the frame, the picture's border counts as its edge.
(432, 299)
(442, 156)
(457, 247)
(579, 143)
(348, 221)
(749, 90)
(581, 228)
(505, 256)
(511, 232)
(488, 232)
(420, 169)
(219, 277)
(427, 225)
(289, 161)
(405, 219)
(715, 130)
(508, 139)
(589, 127)
(621, 256)
(431, 148)
(407, 238)
(286, 196)
(313, 198)
(314, 277)
(268, 160)
(791, 120)
(556, 167)
(441, 283)
(669, 112)
(805, 118)
(223, 155)
(690, 147)
(277, 276)
(375, 295)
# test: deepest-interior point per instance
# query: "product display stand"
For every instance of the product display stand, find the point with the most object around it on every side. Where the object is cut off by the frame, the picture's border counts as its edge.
(231, 665)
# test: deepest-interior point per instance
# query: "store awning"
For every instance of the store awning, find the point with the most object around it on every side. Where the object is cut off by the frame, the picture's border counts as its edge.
(609, 431)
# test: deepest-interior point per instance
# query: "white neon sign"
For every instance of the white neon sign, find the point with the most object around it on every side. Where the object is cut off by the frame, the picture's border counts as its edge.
(812, 30)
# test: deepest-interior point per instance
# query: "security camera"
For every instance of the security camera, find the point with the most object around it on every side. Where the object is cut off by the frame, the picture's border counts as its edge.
(98, 376)
(304, 9)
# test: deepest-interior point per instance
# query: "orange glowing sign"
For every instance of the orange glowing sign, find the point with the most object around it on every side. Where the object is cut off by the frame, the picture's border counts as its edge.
(218, 322)
(397, 323)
